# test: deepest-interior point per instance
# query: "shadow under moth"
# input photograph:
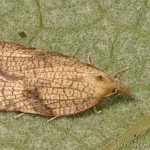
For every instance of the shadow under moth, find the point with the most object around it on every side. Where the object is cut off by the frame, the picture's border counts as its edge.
(49, 83)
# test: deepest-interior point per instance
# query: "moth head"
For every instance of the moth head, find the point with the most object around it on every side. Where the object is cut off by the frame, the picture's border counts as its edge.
(111, 86)
(104, 86)
(116, 86)
(119, 88)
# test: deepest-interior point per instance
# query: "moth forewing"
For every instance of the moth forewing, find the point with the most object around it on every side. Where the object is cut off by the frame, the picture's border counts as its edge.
(51, 84)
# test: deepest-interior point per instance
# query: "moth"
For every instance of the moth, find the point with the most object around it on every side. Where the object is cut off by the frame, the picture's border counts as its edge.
(50, 84)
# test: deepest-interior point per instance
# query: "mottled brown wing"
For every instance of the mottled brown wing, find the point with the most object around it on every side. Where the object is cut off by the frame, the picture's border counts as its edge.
(64, 96)
(15, 97)
(46, 97)
(31, 62)
(55, 81)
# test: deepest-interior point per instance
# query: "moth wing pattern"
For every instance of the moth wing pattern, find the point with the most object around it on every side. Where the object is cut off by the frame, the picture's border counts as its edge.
(20, 60)
(64, 97)
(56, 79)
(49, 83)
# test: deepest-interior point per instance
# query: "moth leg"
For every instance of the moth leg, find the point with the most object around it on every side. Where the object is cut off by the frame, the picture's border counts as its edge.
(51, 119)
(117, 75)
(89, 58)
(96, 111)
(19, 115)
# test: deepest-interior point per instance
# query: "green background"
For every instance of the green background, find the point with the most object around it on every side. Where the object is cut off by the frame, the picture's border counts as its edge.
(117, 32)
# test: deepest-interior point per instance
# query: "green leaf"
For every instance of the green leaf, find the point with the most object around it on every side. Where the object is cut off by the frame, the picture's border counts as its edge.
(117, 33)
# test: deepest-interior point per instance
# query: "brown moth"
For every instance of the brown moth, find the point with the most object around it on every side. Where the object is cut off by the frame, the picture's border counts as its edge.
(49, 83)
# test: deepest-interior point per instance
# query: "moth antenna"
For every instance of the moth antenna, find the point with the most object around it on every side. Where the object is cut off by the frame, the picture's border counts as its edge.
(117, 75)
